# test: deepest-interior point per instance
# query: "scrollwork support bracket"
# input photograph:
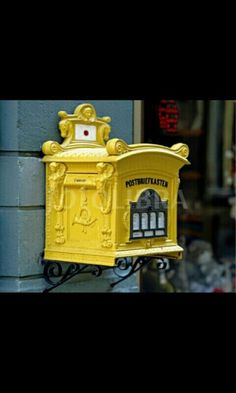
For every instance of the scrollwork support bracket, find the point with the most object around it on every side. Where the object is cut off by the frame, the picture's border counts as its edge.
(57, 273)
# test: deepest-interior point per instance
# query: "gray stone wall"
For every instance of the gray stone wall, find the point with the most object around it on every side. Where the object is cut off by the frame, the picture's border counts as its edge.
(24, 127)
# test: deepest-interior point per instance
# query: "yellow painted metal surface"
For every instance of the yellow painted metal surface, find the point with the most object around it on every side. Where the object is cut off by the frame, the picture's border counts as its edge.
(106, 199)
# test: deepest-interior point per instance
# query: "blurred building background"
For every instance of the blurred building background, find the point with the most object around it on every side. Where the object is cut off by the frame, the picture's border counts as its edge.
(206, 205)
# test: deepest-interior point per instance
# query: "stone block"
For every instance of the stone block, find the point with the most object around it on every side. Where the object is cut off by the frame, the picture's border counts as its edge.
(9, 262)
(9, 181)
(8, 125)
(31, 241)
(21, 181)
(29, 284)
(31, 181)
(21, 241)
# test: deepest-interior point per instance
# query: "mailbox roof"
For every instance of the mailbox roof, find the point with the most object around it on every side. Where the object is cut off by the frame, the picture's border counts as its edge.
(116, 150)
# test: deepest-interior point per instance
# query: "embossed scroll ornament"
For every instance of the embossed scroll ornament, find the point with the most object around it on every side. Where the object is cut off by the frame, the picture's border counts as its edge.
(56, 189)
(104, 186)
(56, 184)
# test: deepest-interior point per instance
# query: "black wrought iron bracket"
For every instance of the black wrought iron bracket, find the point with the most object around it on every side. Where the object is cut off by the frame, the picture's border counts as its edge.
(57, 273)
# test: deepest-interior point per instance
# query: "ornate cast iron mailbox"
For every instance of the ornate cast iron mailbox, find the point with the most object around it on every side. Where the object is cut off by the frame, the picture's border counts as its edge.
(107, 201)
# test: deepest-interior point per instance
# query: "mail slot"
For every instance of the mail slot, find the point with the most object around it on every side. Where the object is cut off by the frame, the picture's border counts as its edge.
(106, 199)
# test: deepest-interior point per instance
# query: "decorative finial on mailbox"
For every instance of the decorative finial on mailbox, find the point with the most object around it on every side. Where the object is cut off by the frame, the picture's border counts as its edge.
(81, 129)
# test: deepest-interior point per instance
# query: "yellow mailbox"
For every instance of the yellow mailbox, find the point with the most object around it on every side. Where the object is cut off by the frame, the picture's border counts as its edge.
(106, 199)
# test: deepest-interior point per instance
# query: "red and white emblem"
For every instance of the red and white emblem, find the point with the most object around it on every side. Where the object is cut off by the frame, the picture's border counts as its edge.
(85, 133)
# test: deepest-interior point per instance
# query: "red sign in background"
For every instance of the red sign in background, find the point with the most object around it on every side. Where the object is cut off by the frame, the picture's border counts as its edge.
(168, 114)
